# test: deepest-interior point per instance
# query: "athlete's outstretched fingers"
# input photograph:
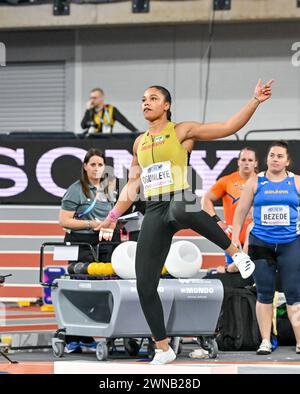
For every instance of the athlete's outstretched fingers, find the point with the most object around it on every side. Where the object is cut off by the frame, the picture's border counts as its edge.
(268, 84)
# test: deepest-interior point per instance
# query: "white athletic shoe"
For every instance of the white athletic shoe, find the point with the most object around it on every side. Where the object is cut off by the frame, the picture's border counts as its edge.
(162, 357)
(264, 348)
(298, 348)
(244, 264)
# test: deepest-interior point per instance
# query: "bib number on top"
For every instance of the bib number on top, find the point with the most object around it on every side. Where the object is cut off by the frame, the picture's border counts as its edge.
(275, 215)
(157, 175)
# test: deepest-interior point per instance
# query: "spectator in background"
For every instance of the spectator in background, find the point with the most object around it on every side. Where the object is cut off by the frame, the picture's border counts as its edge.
(229, 188)
(85, 203)
(100, 117)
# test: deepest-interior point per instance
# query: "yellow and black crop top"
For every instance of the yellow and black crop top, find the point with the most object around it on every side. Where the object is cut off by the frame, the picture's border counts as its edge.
(164, 162)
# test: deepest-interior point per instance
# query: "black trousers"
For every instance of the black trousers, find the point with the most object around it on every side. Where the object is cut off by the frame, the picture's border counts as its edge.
(85, 255)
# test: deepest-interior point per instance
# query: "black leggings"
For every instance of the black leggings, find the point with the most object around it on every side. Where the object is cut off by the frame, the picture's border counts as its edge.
(161, 221)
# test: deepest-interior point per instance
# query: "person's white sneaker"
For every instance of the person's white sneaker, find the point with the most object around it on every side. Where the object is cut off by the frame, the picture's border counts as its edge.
(298, 348)
(162, 357)
(264, 348)
(244, 263)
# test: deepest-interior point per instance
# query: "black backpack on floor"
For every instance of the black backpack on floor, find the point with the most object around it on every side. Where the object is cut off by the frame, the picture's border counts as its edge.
(284, 329)
(237, 326)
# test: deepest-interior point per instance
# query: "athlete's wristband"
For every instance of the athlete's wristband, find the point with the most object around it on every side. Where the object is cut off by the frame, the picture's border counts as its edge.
(113, 215)
(216, 218)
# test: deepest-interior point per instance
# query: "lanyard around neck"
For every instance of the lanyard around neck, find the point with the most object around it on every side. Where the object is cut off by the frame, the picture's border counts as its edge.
(105, 113)
(88, 209)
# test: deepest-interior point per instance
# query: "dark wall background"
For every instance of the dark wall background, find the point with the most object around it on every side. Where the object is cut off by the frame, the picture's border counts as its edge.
(66, 170)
